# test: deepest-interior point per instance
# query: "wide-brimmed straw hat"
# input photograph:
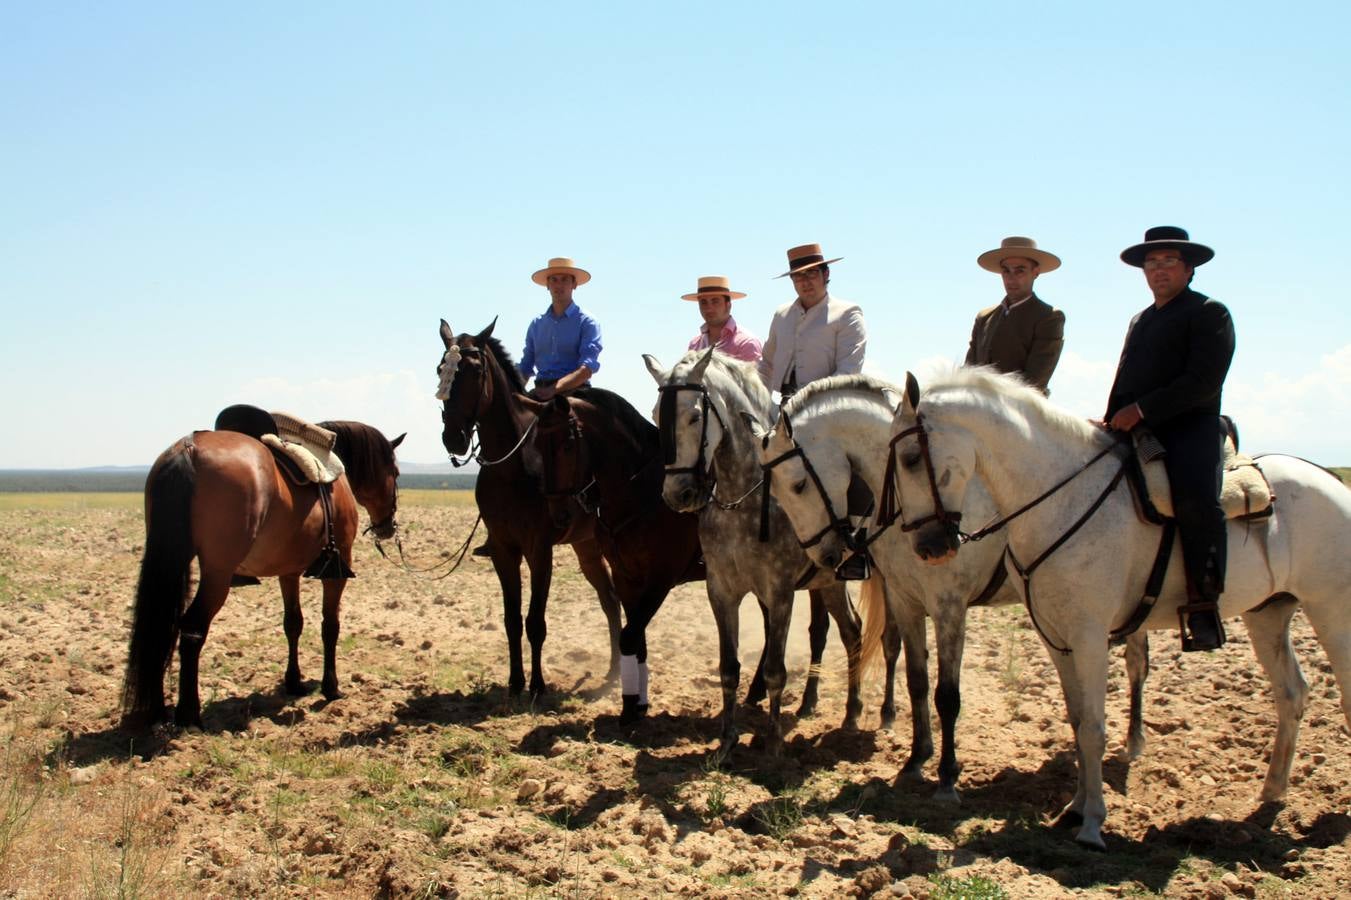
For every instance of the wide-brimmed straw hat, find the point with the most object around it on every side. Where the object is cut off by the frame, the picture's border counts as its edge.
(561, 265)
(1023, 247)
(1168, 237)
(713, 284)
(808, 256)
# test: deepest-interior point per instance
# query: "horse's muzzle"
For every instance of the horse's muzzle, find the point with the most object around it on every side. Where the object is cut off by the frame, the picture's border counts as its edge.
(455, 442)
(937, 543)
(682, 495)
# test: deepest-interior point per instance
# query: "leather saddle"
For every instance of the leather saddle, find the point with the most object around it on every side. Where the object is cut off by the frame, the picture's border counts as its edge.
(1245, 492)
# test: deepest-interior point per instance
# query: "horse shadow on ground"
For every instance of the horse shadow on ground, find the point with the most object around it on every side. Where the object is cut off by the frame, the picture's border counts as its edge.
(1030, 837)
(218, 717)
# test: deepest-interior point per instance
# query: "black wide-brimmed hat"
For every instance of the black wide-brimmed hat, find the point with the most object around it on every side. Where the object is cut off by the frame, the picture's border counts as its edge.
(1168, 237)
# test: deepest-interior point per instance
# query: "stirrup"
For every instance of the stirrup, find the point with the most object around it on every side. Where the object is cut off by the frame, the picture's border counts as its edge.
(857, 567)
(329, 564)
(1201, 606)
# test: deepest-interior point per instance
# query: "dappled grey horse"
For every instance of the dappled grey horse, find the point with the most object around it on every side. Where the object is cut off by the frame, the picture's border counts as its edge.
(711, 468)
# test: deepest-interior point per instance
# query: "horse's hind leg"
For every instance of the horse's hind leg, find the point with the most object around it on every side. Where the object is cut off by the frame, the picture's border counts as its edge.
(333, 588)
(593, 567)
(293, 621)
(851, 635)
(212, 590)
(1269, 631)
(1333, 629)
(817, 632)
(1137, 670)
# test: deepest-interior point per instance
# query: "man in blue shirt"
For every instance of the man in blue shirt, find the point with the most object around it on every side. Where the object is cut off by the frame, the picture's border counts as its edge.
(562, 344)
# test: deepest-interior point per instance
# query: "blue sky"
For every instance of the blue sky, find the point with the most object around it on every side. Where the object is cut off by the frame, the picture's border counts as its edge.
(276, 204)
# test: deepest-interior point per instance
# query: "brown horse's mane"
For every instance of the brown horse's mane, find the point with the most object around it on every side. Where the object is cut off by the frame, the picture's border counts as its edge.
(365, 453)
(504, 360)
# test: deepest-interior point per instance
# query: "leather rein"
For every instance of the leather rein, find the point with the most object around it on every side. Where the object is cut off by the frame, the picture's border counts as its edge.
(705, 476)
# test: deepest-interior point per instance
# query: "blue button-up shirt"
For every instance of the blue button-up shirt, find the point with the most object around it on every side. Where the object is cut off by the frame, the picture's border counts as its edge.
(557, 346)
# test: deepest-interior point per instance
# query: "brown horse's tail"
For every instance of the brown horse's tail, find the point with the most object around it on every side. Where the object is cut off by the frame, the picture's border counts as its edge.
(873, 605)
(165, 572)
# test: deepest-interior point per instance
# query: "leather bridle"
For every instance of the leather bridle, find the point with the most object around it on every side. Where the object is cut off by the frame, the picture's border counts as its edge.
(855, 539)
(705, 479)
(890, 509)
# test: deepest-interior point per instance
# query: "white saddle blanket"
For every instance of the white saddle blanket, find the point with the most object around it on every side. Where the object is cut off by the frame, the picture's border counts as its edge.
(1244, 491)
(309, 446)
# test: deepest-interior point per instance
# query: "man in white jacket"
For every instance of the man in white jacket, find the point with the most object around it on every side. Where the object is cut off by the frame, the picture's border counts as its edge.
(817, 334)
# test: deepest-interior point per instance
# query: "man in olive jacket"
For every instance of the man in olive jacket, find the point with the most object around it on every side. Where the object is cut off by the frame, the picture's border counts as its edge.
(1170, 378)
(1022, 334)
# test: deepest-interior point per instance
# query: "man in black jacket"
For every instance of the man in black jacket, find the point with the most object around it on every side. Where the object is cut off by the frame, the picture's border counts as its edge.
(1170, 378)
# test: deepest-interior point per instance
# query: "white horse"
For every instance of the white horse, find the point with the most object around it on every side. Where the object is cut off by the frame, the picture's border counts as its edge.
(711, 470)
(974, 424)
(835, 430)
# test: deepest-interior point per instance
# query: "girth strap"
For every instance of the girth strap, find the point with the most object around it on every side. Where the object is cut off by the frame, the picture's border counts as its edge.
(1153, 587)
(329, 563)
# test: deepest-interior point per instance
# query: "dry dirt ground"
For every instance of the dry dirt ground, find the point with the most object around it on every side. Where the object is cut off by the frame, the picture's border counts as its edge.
(426, 779)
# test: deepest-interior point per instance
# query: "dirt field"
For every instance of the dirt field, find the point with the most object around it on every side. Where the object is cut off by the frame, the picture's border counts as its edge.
(426, 779)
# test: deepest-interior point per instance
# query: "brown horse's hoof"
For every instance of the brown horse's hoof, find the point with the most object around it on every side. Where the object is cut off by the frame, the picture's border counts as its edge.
(633, 711)
(298, 687)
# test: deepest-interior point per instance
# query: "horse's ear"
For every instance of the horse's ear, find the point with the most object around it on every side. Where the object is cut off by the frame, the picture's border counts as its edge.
(488, 332)
(911, 393)
(696, 375)
(754, 425)
(398, 440)
(654, 369)
(446, 334)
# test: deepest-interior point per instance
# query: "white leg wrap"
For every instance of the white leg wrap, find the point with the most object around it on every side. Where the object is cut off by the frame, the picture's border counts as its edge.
(628, 675)
(642, 684)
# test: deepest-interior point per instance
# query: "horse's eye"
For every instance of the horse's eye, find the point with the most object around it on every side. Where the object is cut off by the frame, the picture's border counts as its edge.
(695, 416)
(799, 486)
(910, 461)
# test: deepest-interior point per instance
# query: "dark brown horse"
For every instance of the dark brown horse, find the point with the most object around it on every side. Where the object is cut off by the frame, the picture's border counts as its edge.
(219, 497)
(600, 453)
(486, 397)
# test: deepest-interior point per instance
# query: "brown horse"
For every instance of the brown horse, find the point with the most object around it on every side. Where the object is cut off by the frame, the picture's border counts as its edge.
(599, 453)
(219, 497)
(484, 397)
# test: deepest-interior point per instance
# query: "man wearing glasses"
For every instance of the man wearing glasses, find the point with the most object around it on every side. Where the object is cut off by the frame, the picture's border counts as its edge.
(1023, 334)
(1170, 378)
(817, 334)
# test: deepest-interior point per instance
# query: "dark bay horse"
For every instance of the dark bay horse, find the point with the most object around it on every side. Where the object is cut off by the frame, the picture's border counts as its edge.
(600, 453)
(486, 395)
(220, 498)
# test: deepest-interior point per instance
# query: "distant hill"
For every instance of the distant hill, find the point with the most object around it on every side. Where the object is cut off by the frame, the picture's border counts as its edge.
(124, 479)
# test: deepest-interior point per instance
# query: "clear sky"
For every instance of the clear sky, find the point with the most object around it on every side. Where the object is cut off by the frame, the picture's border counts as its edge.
(204, 204)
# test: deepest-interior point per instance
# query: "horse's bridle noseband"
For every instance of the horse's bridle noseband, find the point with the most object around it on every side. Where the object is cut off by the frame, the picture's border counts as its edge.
(855, 539)
(890, 509)
(705, 480)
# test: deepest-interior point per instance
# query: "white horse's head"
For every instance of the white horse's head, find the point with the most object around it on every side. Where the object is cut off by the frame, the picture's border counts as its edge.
(691, 428)
(810, 477)
(928, 474)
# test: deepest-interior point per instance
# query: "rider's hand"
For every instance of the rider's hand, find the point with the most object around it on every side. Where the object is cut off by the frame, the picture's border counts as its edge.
(1126, 419)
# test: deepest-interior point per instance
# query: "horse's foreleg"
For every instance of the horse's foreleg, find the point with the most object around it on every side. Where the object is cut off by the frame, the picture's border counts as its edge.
(1083, 674)
(1269, 631)
(727, 616)
(536, 627)
(598, 576)
(507, 565)
(779, 614)
(1137, 670)
(912, 627)
(212, 590)
(332, 602)
(851, 635)
(817, 632)
(891, 651)
(293, 622)
(950, 629)
(756, 692)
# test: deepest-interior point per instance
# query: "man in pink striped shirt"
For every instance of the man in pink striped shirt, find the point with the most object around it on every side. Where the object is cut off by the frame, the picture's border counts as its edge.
(720, 330)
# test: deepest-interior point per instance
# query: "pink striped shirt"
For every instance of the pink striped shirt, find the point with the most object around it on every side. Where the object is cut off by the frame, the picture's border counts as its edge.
(734, 342)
